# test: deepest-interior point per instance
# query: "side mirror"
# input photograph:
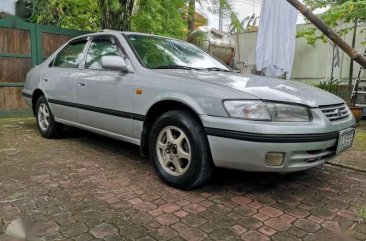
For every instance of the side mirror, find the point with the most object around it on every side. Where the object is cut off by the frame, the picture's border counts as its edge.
(115, 63)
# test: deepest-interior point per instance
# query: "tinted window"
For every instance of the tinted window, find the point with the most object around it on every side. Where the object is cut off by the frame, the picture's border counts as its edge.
(98, 49)
(70, 56)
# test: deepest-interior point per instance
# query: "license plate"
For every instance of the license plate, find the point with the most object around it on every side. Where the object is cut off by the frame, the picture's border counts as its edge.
(345, 139)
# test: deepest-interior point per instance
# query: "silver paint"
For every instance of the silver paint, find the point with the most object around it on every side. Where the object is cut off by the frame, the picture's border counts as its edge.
(202, 91)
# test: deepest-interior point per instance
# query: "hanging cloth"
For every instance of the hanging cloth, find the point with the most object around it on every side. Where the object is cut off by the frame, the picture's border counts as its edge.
(276, 38)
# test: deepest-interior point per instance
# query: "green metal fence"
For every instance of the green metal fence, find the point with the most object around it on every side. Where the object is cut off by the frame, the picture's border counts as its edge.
(23, 46)
(36, 31)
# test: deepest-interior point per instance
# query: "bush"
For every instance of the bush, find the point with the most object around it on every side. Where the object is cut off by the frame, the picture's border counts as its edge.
(334, 88)
(328, 86)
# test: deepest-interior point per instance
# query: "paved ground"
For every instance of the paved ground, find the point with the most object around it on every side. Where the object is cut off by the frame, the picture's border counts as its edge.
(86, 187)
(355, 157)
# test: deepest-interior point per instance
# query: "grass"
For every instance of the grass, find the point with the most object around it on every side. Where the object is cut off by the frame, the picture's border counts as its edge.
(15, 118)
(361, 212)
(360, 140)
(18, 113)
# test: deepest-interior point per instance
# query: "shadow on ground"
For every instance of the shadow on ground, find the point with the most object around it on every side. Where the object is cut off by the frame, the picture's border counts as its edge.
(86, 187)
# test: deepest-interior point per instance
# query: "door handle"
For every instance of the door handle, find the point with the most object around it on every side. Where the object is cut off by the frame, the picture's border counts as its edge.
(45, 80)
(81, 84)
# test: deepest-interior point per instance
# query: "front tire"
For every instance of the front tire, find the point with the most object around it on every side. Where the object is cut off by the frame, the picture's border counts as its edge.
(179, 150)
(47, 126)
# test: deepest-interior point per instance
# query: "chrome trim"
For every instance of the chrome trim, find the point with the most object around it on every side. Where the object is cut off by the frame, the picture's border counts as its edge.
(336, 112)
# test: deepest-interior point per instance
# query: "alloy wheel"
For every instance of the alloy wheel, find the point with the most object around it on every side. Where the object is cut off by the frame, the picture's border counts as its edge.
(43, 117)
(174, 150)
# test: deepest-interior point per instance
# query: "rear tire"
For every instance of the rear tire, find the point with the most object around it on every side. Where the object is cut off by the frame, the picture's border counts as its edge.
(179, 150)
(47, 126)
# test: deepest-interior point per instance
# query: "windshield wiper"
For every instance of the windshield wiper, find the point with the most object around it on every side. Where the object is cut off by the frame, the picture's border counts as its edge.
(217, 69)
(174, 66)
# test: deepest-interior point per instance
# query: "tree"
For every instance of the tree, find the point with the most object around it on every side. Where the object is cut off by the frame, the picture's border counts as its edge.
(191, 15)
(219, 5)
(338, 11)
(80, 14)
(228, 11)
(116, 14)
(84, 14)
(175, 18)
(163, 17)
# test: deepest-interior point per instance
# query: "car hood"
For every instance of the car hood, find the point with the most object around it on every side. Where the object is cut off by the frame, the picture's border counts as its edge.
(264, 88)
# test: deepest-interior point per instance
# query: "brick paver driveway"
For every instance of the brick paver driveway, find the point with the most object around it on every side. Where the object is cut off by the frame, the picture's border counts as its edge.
(87, 187)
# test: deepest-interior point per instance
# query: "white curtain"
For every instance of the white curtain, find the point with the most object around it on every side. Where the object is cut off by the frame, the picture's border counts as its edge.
(276, 38)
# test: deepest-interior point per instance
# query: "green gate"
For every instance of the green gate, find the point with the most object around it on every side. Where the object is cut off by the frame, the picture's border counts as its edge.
(22, 46)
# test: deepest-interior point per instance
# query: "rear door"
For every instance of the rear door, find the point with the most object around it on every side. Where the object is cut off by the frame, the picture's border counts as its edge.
(104, 97)
(59, 80)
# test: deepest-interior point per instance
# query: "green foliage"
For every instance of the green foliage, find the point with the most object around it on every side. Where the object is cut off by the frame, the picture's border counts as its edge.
(169, 17)
(362, 213)
(309, 35)
(345, 11)
(81, 14)
(90, 15)
(162, 17)
(348, 11)
(228, 10)
(334, 87)
(116, 14)
(24, 8)
(328, 86)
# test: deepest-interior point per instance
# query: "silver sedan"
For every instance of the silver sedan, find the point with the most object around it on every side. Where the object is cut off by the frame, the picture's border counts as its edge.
(186, 110)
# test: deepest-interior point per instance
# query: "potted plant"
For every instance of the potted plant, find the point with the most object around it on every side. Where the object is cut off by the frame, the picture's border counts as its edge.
(357, 112)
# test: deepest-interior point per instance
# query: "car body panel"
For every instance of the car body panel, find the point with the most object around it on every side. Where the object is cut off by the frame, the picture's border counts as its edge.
(250, 156)
(264, 88)
(59, 84)
(108, 103)
(109, 94)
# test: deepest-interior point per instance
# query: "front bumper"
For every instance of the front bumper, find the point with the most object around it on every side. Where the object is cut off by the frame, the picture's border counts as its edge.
(245, 147)
(250, 156)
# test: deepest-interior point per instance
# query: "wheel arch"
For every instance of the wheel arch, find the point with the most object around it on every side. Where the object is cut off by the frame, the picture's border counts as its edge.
(156, 110)
(35, 96)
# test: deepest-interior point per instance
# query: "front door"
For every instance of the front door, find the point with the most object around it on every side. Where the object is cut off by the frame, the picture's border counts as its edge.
(59, 80)
(104, 97)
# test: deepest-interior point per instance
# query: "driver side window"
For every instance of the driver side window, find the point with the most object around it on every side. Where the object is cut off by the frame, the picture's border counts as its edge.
(98, 49)
(70, 56)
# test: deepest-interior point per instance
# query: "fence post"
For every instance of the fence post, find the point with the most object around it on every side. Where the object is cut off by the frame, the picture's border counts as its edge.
(33, 39)
(38, 35)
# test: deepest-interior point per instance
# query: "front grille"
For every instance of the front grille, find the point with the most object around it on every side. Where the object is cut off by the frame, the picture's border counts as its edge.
(336, 112)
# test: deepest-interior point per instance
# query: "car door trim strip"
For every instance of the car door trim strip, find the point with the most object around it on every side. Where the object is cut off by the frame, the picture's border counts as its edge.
(26, 95)
(272, 138)
(99, 110)
(230, 134)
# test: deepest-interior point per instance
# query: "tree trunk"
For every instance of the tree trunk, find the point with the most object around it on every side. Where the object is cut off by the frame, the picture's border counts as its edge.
(116, 19)
(350, 76)
(191, 15)
(329, 32)
(221, 13)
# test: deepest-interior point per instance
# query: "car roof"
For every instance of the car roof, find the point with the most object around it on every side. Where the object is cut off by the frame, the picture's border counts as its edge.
(106, 31)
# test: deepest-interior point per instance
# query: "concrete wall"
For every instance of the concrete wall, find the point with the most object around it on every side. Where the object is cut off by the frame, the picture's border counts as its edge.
(8, 6)
(311, 64)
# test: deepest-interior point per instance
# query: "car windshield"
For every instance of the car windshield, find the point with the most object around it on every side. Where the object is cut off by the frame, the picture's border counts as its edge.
(166, 53)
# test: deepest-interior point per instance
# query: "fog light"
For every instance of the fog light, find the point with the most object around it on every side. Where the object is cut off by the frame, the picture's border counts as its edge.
(274, 159)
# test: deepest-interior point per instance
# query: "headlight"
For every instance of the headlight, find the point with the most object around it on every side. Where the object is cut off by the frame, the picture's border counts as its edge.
(267, 111)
